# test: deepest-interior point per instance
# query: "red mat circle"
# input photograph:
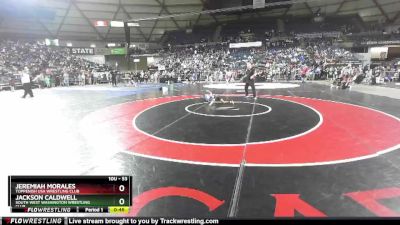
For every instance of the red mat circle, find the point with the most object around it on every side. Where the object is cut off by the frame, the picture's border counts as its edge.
(348, 133)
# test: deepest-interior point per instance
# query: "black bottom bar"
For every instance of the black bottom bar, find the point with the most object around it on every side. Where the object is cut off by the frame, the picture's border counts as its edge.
(161, 221)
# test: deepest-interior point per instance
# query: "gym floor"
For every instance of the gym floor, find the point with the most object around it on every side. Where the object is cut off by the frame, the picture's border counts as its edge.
(296, 150)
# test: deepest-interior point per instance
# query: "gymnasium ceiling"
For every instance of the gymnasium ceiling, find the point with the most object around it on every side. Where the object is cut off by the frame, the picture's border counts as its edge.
(74, 19)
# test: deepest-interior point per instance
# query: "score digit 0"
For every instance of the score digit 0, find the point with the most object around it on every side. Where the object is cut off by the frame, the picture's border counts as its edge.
(121, 188)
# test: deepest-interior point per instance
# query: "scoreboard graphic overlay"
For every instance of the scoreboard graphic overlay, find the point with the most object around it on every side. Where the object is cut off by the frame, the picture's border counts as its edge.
(65, 194)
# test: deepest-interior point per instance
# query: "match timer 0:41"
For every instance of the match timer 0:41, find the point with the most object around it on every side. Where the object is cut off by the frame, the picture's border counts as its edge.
(63, 194)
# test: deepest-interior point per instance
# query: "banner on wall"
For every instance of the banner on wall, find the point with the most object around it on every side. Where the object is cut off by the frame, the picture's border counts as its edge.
(81, 51)
(101, 23)
(319, 35)
(118, 51)
(102, 51)
(389, 42)
(379, 53)
(245, 44)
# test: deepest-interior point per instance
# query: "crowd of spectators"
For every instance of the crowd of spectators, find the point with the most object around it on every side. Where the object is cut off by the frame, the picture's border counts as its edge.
(278, 60)
(281, 57)
(49, 65)
(307, 49)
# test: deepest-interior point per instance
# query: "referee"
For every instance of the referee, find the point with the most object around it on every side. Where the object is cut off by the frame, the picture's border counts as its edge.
(249, 79)
(26, 83)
